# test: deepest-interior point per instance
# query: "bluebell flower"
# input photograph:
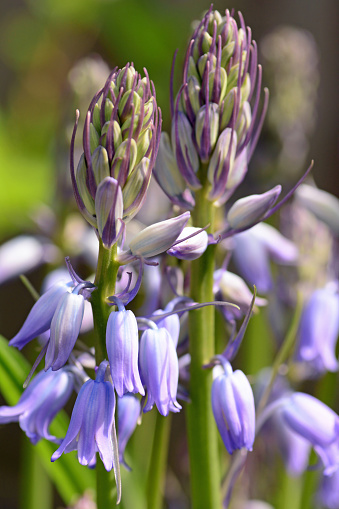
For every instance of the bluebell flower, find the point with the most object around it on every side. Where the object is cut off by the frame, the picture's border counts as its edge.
(40, 402)
(253, 251)
(128, 414)
(65, 328)
(91, 424)
(315, 422)
(319, 329)
(122, 343)
(159, 370)
(233, 409)
(40, 317)
(193, 247)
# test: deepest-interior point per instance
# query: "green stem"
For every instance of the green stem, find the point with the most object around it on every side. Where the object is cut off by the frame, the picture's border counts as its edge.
(202, 431)
(36, 488)
(105, 280)
(157, 469)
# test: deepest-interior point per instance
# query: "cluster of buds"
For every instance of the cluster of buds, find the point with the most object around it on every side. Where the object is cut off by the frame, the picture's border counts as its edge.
(215, 121)
(120, 145)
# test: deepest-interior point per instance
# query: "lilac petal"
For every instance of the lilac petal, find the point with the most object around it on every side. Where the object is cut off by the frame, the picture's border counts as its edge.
(105, 422)
(95, 410)
(109, 209)
(319, 329)
(279, 247)
(40, 316)
(251, 209)
(65, 328)
(251, 259)
(79, 411)
(122, 343)
(128, 414)
(191, 248)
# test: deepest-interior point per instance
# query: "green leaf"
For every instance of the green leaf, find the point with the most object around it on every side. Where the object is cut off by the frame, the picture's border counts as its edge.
(70, 478)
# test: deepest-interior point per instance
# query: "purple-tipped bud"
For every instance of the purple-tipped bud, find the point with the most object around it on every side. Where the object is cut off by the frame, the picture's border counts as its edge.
(192, 247)
(122, 343)
(233, 409)
(92, 421)
(39, 404)
(158, 237)
(319, 329)
(40, 317)
(109, 210)
(215, 119)
(120, 141)
(159, 370)
(317, 423)
(65, 328)
(251, 209)
(129, 409)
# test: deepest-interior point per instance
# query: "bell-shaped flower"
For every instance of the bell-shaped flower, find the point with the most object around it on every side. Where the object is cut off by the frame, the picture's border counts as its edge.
(129, 409)
(319, 329)
(253, 250)
(191, 244)
(328, 491)
(122, 343)
(92, 421)
(40, 317)
(156, 239)
(159, 370)
(171, 322)
(65, 328)
(233, 409)
(40, 402)
(315, 422)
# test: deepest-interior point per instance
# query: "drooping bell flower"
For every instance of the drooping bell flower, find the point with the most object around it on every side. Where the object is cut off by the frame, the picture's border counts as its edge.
(319, 329)
(233, 409)
(328, 491)
(120, 142)
(159, 370)
(91, 424)
(128, 414)
(215, 120)
(40, 317)
(122, 343)
(315, 422)
(40, 402)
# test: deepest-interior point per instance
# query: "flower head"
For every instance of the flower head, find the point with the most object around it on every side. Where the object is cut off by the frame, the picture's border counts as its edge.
(40, 402)
(120, 142)
(215, 115)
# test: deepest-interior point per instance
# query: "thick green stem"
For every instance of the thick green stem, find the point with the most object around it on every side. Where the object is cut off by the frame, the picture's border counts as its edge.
(202, 431)
(157, 469)
(36, 488)
(105, 280)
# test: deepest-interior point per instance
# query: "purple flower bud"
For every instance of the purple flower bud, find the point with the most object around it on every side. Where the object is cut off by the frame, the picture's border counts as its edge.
(319, 329)
(158, 237)
(91, 424)
(328, 492)
(251, 209)
(40, 317)
(122, 342)
(39, 404)
(128, 414)
(159, 370)
(65, 328)
(233, 409)
(109, 210)
(317, 423)
(191, 248)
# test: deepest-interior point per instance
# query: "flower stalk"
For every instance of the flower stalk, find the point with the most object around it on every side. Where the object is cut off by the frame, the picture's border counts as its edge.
(202, 431)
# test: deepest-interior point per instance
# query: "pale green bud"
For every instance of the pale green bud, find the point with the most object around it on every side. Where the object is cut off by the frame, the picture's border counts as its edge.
(251, 209)
(100, 164)
(93, 137)
(132, 189)
(213, 115)
(120, 154)
(220, 154)
(226, 53)
(227, 109)
(193, 90)
(117, 138)
(81, 180)
(223, 83)
(136, 101)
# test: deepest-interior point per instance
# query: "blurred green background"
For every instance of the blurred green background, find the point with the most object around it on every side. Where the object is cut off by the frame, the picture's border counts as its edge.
(42, 40)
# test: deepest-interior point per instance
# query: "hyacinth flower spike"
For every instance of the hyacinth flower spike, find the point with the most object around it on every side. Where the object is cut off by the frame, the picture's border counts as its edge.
(91, 428)
(122, 343)
(40, 402)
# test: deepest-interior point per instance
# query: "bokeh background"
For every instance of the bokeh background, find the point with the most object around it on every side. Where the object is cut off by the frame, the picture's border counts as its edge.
(41, 41)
